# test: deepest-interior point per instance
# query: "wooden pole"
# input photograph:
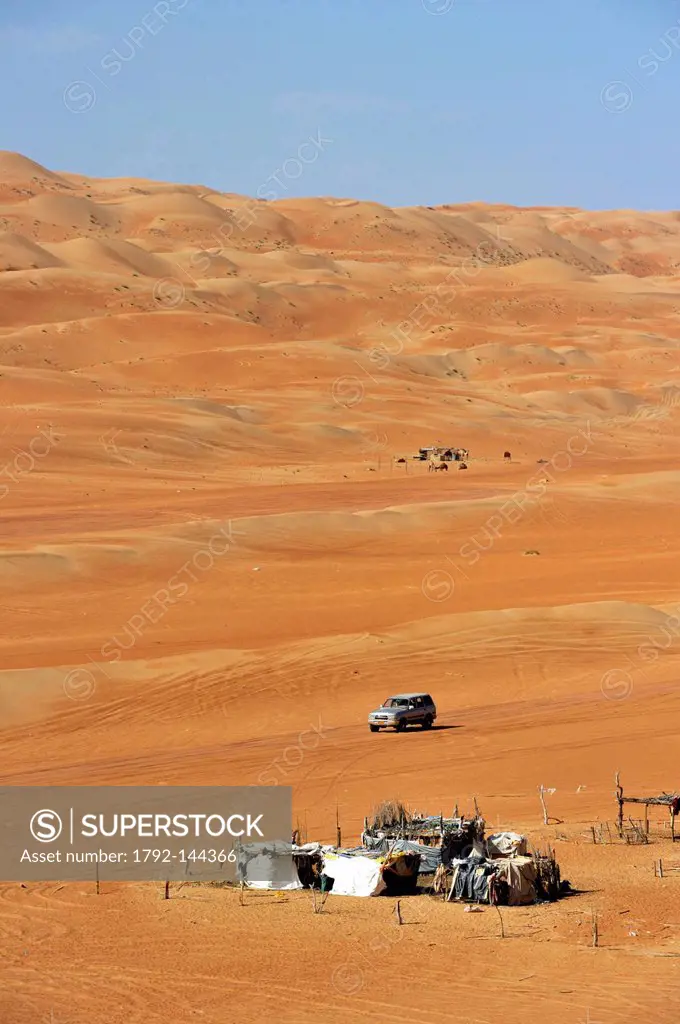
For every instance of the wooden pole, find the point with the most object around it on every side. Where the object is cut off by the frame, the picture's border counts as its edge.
(596, 936)
(397, 911)
(338, 833)
(660, 868)
(541, 791)
(646, 819)
(96, 874)
(167, 889)
(500, 916)
(619, 797)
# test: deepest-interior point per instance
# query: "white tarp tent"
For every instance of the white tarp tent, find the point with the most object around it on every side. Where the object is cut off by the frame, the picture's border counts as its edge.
(354, 875)
(267, 866)
(506, 844)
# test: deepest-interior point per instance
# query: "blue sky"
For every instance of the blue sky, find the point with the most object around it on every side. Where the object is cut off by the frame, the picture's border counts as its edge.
(491, 100)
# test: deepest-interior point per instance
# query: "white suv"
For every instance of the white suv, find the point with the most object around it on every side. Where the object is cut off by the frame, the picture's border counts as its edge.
(402, 710)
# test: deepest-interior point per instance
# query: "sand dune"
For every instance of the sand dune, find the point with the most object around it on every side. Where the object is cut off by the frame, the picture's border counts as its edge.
(176, 362)
(20, 253)
(77, 213)
(21, 178)
(606, 401)
(536, 270)
(111, 257)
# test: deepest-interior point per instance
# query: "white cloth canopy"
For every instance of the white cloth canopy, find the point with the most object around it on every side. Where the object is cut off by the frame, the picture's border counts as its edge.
(506, 844)
(354, 876)
(268, 865)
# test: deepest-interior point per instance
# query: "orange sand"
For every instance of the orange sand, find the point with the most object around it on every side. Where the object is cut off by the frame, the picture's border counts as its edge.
(154, 398)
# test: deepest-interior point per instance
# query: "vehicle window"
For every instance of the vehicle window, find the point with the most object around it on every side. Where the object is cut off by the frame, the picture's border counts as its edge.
(428, 699)
(419, 702)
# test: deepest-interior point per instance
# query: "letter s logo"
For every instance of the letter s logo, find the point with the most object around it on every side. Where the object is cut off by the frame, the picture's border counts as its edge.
(46, 826)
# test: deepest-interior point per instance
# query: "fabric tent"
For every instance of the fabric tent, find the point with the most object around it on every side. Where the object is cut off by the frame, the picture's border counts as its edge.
(510, 880)
(519, 874)
(354, 875)
(470, 879)
(271, 865)
(506, 844)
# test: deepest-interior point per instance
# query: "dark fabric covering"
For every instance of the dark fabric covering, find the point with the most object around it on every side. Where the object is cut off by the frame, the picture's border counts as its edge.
(499, 892)
(309, 869)
(456, 846)
(430, 856)
(402, 884)
(472, 880)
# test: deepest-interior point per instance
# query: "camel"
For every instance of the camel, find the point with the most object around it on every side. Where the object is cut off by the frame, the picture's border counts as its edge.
(436, 463)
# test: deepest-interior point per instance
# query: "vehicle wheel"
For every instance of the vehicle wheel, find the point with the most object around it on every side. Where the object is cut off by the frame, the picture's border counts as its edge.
(427, 722)
(401, 726)
(374, 728)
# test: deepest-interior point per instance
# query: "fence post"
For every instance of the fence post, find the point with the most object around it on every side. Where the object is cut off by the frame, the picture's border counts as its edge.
(619, 797)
